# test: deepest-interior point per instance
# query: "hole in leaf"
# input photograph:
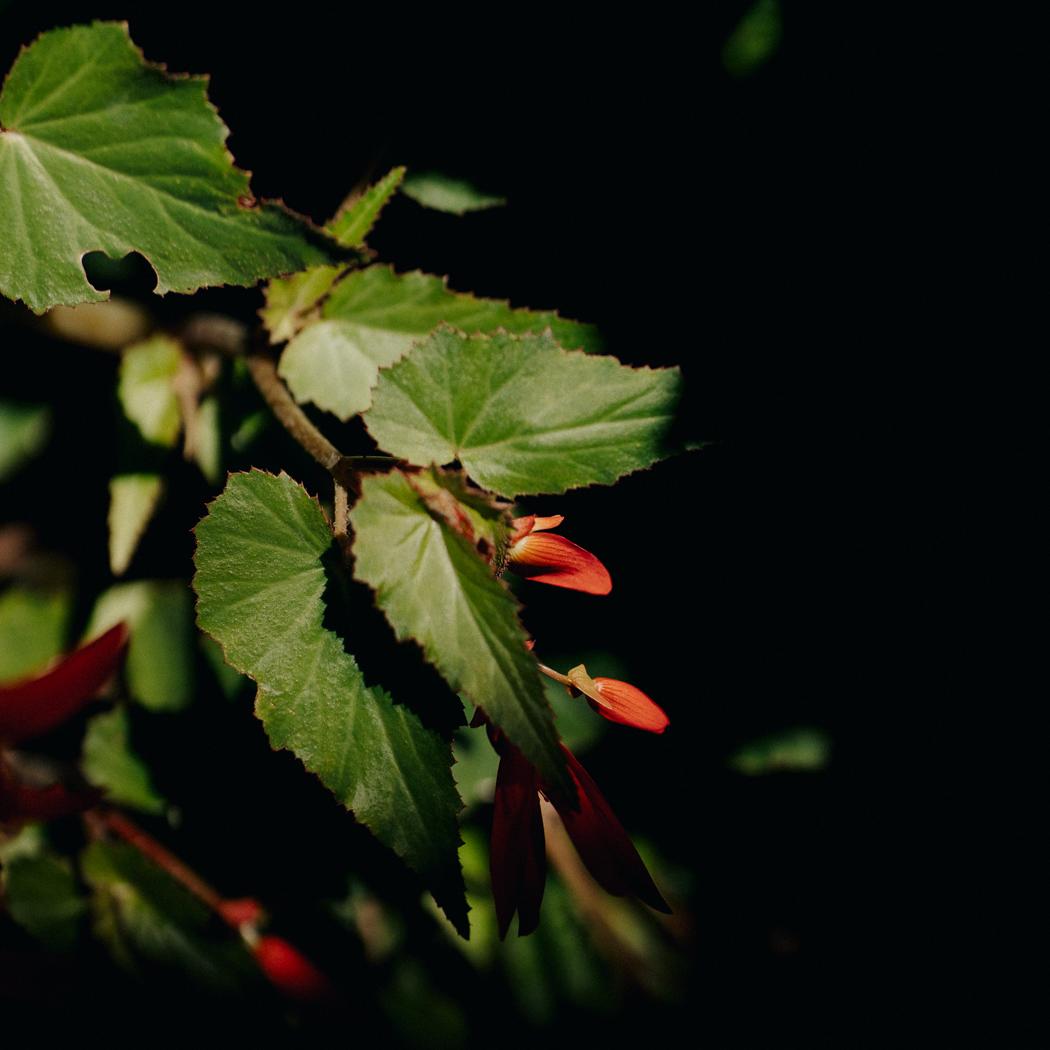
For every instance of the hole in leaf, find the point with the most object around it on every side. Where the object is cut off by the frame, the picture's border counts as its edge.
(128, 276)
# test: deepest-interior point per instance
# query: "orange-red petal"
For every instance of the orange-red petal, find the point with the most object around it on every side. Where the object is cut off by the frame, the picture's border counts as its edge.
(628, 705)
(554, 559)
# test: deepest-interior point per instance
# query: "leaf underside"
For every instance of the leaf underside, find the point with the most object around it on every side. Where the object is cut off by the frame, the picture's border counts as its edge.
(101, 151)
(260, 584)
(522, 415)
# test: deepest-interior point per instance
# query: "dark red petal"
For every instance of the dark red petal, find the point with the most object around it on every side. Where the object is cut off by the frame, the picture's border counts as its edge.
(548, 558)
(36, 705)
(602, 843)
(517, 858)
(19, 803)
(628, 705)
(290, 971)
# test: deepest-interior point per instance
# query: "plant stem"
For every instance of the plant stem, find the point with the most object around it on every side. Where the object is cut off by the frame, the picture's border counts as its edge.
(556, 675)
(163, 858)
(264, 371)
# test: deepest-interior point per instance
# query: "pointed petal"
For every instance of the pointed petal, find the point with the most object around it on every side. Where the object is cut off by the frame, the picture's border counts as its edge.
(517, 859)
(556, 560)
(291, 972)
(32, 707)
(628, 705)
(552, 522)
(602, 843)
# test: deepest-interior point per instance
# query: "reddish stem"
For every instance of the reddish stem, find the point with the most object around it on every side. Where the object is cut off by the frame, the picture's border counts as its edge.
(163, 858)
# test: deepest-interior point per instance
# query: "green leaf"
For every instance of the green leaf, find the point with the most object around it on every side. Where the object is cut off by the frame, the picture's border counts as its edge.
(522, 415)
(291, 300)
(101, 151)
(42, 896)
(433, 587)
(260, 582)
(353, 224)
(145, 917)
(207, 448)
(109, 763)
(443, 193)
(373, 317)
(146, 389)
(33, 626)
(160, 663)
(133, 499)
(24, 430)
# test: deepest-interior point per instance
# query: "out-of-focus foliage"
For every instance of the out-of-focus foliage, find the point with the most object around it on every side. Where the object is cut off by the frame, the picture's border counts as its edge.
(755, 39)
(794, 750)
(24, 430)
(444, 193)
(33, 628)
(110, 763)
(160, 667)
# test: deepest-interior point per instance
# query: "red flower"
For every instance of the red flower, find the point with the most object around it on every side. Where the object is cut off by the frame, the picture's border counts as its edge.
(518, 861)
(549, 558)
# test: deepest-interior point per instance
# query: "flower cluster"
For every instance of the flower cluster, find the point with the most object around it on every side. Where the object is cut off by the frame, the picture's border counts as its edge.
(518, 861)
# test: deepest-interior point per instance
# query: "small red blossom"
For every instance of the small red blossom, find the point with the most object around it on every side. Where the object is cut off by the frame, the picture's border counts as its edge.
(619, 701)
(291, 972)
(549, 558)
(518, 862)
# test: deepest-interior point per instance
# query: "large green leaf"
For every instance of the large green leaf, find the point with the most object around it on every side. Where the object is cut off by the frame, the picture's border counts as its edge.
(522, 415)
(260, 582)
(147, 919)
(110, 763)
(433, 587)
(373, 316)
(101, 151)
(161, 658)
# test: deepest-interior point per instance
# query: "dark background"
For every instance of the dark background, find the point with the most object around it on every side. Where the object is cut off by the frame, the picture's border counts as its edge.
(740, 228)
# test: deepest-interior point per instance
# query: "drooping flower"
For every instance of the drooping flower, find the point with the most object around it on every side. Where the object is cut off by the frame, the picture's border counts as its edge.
(546, 557)
(518, 861)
